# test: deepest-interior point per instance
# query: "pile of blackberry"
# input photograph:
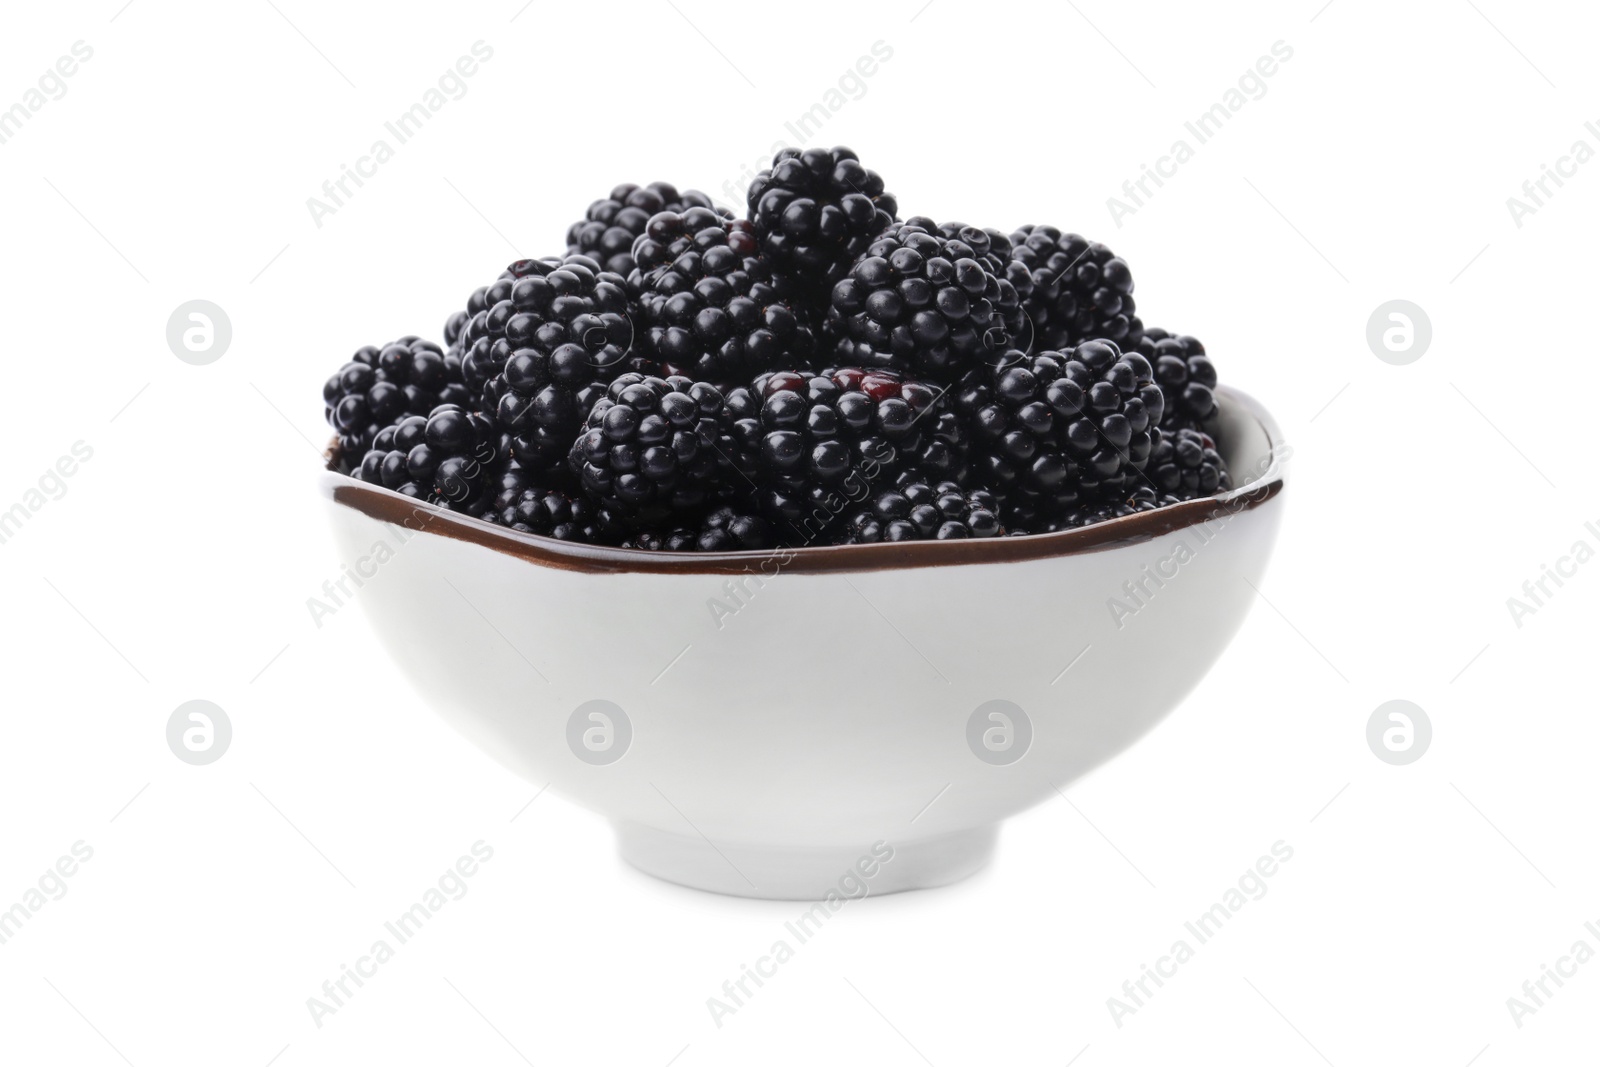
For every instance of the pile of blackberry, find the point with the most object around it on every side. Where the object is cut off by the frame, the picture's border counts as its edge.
(819, 372)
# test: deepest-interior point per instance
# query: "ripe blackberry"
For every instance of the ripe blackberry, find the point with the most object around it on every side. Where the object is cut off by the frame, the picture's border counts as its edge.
(919, 302)
(541, 343)
(1186, 376)
(607, 232)
(650, 448)
(380, 386)
(799, 437)
(1185, 464)
(444, 458)
(815, 211)
(709, 303)
(1060, 428)
(726, 528)
(919, 509)
(995, 249)
(1082, 290)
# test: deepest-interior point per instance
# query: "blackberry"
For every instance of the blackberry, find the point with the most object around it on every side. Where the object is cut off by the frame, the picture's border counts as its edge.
(1082, 290)
(709, 303)
(607, 232)
(1058, 429)
(918, 509)
(815, 211)
(651, 446)
(1186, 376)
(995, 249)
(800, 437)
(541, 343)
(1185, 464)
(919, 302)
(444, 458)
(725, 528)
(380, 386)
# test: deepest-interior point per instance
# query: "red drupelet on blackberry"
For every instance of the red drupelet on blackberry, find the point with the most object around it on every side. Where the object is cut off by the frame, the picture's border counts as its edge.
(1186, 375)
(709, 303)
(815, 210)
(607, 232)
(924, 304)
(650, 448)
(380, 386)
(1081, 289)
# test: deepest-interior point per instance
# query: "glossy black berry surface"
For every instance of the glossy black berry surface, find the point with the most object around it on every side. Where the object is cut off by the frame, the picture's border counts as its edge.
(923, 303)
(541, 344)
(917, 508)
(650, 446)
(800, 439)
(447, 457)
(815, 210)
(709, 303)
(1185, 464)
(820, 372)
(1082, 290)
(380, 386)
(1186, 375)
(608, 229)
(1058, 429)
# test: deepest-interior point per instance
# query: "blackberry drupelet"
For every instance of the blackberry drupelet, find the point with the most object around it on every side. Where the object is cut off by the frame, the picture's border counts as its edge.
(723, 529)
(995, 248)
(541, 344)
(922, 303)
(1186, 375)
(1059, 429)
(920, 509)
(607, 232)
(815, 211)
(445, 458)
(380, 386)
(453, 327)
(1081, 289)
(650, 448)
(1185, 464)
(709, 304)
(799, 438)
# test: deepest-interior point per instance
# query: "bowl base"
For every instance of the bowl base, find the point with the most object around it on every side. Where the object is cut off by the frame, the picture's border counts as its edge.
(806, 872)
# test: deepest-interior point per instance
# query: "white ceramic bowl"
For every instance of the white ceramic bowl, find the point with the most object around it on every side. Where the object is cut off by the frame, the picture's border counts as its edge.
(791, 724)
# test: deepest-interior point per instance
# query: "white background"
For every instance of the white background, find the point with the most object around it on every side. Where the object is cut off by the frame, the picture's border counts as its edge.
(178, 563)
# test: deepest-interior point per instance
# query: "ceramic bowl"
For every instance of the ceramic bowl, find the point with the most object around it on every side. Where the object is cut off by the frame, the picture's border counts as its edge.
(825, 720)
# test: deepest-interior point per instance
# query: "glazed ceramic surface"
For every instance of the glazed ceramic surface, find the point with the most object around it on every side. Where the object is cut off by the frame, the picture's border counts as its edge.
(774, 723)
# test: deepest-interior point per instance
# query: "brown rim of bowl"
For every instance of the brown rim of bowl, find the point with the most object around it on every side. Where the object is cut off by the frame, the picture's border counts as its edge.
(386, 505)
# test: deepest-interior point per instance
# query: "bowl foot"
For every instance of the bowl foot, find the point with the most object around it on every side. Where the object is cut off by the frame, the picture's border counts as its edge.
(813, 872)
